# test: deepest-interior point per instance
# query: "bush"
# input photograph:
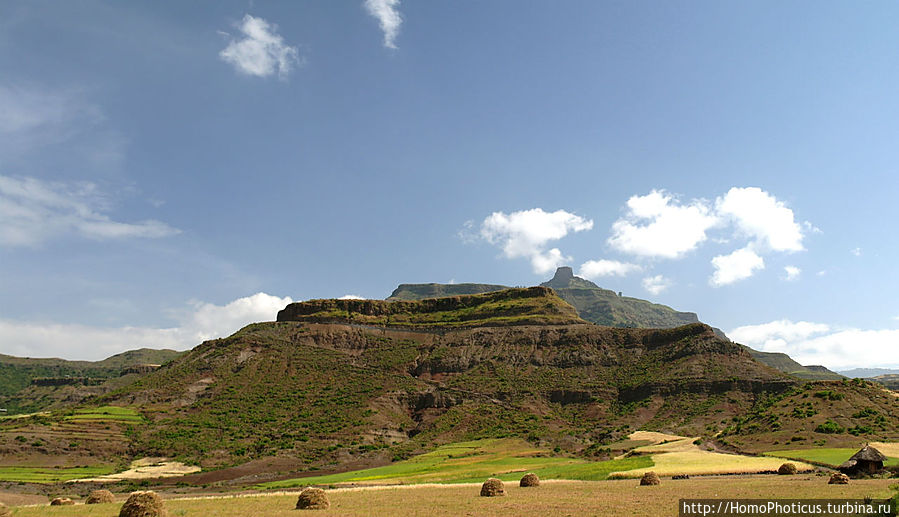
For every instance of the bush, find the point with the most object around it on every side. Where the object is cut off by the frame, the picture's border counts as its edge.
(830, 427)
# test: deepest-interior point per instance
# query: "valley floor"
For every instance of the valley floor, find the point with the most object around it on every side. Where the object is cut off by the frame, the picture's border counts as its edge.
(615, 497)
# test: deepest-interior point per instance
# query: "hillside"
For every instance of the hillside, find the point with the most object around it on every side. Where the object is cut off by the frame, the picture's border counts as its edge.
(605, 307)
(66, 381)
(422, 291)
(891, 381)
(786, 364)
(533, 305)
(341, 384)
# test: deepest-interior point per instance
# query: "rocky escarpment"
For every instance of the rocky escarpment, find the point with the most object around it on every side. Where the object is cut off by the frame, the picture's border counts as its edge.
(533, 305)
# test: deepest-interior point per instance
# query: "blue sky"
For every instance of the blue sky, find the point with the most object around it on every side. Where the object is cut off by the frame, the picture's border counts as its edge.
(171, 171)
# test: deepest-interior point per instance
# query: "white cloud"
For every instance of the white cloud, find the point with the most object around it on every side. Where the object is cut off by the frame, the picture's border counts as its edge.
(656, 284)
(203, 321)
(761, 217)
(819, 343)
(792, 272)
(856, 251)
(33, 211)
(593, 269)
(388, 18)
(739, 265)
(526, 234)
(262, 51)
(34, 119)
(351, 297)
(657, 225)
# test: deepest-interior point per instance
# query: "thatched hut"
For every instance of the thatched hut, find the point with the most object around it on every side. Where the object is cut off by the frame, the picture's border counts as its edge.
(650, 479)
(529, 479)
(492, 488)
(867, 461)
(313, 499)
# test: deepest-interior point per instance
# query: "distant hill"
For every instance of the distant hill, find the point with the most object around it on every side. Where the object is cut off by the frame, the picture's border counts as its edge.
(866, 373)
(605, 307)
(785, 363)
(422, 291)
(62, 380)
(891, 381)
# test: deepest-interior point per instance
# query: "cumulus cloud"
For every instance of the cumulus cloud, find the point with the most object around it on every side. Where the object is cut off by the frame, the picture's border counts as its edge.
(351, 297)
(388, 18)
(200, 322)
(593, 269)
(33, 211)
(739, 265)
(261, 51)
(526, 233)
(792, 272)
(656, 284)
(819, 343)
(658, 225)
(760, 216)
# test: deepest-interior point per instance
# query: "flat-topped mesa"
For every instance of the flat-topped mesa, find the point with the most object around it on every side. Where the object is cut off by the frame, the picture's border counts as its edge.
(519, 306)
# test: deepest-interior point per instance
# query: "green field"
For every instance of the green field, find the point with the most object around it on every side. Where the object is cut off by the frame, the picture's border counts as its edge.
(107, 414)
(465, 462)
(51, 475)
(826, 456)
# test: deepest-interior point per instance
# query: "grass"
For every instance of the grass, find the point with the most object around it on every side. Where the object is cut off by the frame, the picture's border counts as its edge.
(108, 414)
(622, 497)
(51, 475)
(465, 462)
(832, 457)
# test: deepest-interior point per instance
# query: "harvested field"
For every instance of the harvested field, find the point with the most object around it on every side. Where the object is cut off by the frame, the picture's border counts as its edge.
(696, 462)
(147, 468)
(622, 497)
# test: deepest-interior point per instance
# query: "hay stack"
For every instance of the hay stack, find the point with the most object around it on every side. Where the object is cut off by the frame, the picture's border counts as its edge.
(61, 501)
(529, 479)
(787, 469)
(650, 479)
(99, 497)
(5, 511)
(313, 499)
(144, 504)
(492, 487)
(838, 478)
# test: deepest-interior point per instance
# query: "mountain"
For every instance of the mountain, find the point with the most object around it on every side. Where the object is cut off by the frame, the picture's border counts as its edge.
(422, 291)
(608, 308)
(29, 384)
(866, 373)
(605, 307)
(335, 384)
(786, 364)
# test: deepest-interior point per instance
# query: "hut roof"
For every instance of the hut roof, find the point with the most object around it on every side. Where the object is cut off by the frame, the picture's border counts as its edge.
(868, 453)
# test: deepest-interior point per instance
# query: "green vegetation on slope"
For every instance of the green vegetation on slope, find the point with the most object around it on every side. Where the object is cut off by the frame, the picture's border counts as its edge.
(520, 306)
(829, 456)
(52, 475)
(106, 414)
(466, 462)
(18, 395)
(422, 291)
